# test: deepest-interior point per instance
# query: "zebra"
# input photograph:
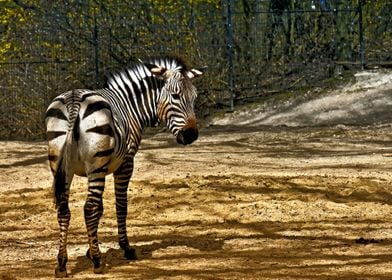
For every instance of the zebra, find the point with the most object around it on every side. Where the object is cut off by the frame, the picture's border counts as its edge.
(94, 133)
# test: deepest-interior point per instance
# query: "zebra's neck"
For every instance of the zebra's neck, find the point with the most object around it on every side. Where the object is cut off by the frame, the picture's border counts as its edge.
(138, 92)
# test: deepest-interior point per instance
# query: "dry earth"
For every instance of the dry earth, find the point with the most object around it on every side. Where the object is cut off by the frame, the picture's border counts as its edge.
(243, 202)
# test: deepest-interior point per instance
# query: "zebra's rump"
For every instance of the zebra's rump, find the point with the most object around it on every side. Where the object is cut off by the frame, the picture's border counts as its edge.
(82, 121)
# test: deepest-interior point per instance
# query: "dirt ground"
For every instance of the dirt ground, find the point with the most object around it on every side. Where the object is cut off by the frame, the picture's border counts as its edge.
(240, 203)
(280, 190)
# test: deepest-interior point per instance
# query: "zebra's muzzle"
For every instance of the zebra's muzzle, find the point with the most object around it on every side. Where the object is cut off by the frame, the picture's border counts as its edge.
(187, 136)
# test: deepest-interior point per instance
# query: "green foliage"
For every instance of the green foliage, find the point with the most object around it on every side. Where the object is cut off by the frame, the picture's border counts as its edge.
(10, 15)
(47, 47)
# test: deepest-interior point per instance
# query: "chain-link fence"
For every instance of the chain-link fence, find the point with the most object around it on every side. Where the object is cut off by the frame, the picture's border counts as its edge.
(252, 48)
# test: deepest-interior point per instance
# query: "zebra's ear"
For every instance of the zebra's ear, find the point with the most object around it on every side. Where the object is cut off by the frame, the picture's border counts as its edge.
(195, 72)
(156, 70)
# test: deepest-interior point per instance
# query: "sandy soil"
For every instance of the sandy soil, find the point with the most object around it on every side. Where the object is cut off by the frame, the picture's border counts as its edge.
(243, 202)
(364, 100)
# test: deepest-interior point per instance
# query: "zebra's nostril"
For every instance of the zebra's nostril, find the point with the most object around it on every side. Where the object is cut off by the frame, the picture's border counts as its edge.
(187, 136)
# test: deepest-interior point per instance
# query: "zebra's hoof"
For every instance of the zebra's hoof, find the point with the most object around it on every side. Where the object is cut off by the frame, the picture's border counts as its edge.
(60, 273)
(97, 262)
(99, 269)
(130, 253)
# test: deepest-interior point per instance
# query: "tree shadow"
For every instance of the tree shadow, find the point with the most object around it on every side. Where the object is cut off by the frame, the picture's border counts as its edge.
(295, 258)
(114, 257)
(26, 162)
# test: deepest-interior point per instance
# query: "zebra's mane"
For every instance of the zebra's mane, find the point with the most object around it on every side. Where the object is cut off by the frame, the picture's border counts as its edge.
(169, 62)
(138, 72)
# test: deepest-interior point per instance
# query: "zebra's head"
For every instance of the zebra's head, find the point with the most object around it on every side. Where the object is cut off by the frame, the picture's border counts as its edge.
(177, 98)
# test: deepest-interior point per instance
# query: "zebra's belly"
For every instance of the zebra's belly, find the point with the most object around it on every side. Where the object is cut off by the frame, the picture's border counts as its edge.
(81, 169)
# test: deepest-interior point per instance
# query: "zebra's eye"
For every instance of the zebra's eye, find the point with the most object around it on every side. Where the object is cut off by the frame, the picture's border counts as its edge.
(176, 96)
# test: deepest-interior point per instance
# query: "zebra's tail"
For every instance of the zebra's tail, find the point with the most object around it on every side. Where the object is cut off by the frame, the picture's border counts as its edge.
(65, 172)
(60, 181)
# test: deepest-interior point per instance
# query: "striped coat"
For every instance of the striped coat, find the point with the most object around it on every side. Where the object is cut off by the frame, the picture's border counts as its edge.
(94, 133)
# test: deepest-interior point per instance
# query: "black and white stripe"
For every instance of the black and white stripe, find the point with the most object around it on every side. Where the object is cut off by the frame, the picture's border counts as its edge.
(97, 132)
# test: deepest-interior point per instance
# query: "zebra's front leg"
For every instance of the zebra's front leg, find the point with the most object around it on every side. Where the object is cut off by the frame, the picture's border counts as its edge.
(63, 218)
(121, 180)
(93, 210)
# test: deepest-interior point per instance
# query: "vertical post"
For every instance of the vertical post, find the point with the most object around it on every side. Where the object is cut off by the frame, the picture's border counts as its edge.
(96, 50)
(361, 37)
(96, 10)
(229, 38)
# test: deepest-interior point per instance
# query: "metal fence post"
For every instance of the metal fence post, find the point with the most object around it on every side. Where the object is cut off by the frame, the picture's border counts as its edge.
(361, 37)
(96, 50)
(229, 39)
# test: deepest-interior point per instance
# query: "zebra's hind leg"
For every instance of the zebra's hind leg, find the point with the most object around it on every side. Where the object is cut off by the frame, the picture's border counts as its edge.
(93, 210)
(63, 218)
(121, 181)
